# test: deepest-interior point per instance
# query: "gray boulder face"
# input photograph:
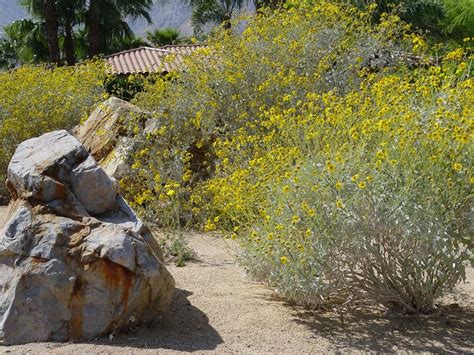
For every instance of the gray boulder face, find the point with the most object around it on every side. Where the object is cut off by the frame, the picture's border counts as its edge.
(75, 261)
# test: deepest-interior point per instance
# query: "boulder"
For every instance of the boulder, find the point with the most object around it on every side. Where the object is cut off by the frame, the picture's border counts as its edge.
(75, 261)
(105, 134)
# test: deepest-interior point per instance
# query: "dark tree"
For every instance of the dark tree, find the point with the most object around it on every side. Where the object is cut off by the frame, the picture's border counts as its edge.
(51, 21)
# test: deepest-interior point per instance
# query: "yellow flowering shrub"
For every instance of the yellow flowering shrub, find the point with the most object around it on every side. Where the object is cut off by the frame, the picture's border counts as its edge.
(342, 180)
(37, 99)
(277, 59)
(374, 196)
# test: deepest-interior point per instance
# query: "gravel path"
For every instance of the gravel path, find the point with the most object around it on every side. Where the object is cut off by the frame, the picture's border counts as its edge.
(216, 309)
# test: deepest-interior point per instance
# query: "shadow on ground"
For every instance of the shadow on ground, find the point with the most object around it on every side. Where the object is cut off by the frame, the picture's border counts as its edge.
(182, 328)
(449, 331)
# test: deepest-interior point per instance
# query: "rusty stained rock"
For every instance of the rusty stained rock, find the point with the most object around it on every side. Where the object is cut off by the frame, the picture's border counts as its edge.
(73, 268)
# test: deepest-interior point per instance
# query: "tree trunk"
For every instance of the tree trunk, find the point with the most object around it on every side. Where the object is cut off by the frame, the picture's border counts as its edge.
(93, 30)
(69, 43)
(50, 17)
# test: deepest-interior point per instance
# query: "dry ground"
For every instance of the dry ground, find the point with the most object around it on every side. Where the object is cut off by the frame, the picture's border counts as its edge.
(216, 309)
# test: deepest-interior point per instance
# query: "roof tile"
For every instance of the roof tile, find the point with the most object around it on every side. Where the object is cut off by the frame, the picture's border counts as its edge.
(149, 60)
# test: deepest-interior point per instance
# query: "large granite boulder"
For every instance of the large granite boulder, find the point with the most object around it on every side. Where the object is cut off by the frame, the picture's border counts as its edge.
(75, 261)
(106, 134)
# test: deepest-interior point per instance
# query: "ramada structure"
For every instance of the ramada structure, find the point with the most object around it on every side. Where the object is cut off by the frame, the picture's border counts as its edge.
(147, 60)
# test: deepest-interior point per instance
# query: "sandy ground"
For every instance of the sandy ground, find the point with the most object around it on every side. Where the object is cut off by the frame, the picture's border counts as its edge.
(216, 309)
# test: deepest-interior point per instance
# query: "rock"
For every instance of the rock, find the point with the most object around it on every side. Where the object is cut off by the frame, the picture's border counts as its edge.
(75, 261)
(104, 134)
(93, 187)
(116, 163)
(36, 172)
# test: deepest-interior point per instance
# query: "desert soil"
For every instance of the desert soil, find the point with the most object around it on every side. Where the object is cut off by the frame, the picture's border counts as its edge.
(217, 309)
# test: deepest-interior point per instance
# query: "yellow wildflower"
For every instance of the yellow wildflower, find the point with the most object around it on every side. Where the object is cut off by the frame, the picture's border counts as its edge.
(339, 204)
(330, 167)
(457, 166)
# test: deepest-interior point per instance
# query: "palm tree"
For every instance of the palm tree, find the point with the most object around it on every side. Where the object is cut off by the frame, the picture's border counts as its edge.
(60, 17)
(70, 17)
(46, 10)
(105, 21)
(214, 11)
(24, 42)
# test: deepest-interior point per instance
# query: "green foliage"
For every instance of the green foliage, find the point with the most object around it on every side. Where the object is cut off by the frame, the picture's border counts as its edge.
(89, 28)
(23, 42)
(459, 18)
(8, 55)
(424, 14)
(444, 19)
(126, 87)
(163, 37)
(213, 11)
(37, 99)
(126, 43)
(345, 175)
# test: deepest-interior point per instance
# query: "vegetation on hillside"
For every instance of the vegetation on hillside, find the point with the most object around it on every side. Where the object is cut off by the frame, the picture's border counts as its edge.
(343, 169)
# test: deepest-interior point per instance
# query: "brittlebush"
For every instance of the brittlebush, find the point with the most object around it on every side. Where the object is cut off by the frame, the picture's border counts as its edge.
(342, 180)
(38, 99)
(226, 86)
(369, 192)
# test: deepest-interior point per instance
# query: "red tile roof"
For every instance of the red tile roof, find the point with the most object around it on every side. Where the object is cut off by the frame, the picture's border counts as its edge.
(182, 49)
(149, 60)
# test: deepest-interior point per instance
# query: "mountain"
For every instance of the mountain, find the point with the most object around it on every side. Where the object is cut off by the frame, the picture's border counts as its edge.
(165, 13)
